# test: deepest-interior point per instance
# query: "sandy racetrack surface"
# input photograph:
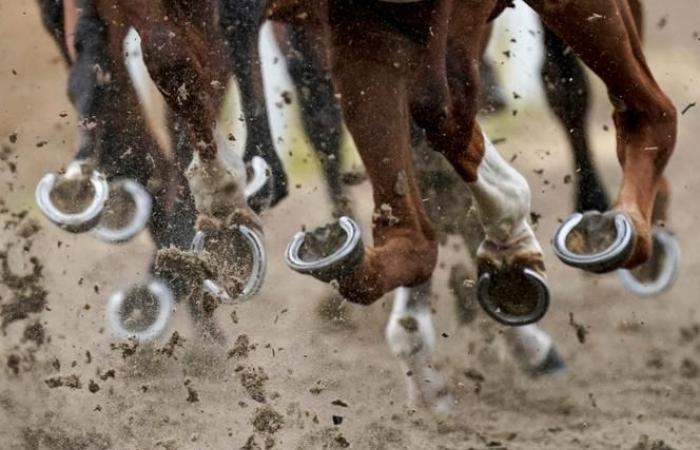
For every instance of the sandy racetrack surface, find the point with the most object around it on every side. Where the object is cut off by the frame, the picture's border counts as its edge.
(288, 378)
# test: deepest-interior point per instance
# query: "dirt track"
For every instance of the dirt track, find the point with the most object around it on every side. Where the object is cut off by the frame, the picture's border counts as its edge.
(638, 372)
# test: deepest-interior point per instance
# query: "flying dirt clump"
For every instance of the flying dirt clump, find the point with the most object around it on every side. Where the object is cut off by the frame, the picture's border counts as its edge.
(267, 420)
(28, 294)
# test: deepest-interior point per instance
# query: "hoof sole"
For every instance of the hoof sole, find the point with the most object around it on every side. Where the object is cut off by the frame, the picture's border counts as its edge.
(126, 212)
(54, 189)
(242, 251)
(141, 312)
(516, 296)
(328, 252)
(595, 242)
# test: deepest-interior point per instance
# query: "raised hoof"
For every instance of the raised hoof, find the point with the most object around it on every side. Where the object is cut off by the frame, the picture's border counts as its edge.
(126, 212)
(72, 201)
(594, 241)
(259, 189)
(513, 296)
(328, 252)
(241, 260)
(660, 272)
(141, 312)
(552, 364)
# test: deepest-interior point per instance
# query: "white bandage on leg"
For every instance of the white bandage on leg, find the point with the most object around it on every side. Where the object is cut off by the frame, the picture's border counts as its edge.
(411, 337)
(502, 199)
(529, 344)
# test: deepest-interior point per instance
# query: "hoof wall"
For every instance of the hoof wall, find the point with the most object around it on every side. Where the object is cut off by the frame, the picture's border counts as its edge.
(660, 272)
(126, 212)
(72, 201)
(595, 242)
(328, 252)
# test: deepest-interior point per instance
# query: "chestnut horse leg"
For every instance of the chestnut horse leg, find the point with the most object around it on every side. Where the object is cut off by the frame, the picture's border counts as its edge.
(373, 91)
(646, 125)
(511, 284)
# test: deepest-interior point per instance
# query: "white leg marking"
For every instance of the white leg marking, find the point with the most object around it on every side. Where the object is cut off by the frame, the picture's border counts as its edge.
(411, 337)
(529, 344)
(502, 199)
(218, 185)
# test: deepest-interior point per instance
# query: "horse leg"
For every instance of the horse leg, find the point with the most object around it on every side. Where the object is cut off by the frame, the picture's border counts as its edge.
(411, 337)
(511, 285)
(320, 112)
(646, 123)
(186, 64)
(240, 22)
(374, 101)
(568, 96)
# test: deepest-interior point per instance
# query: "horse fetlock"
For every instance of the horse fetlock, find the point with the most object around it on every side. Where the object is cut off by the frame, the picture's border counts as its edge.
(217, 187)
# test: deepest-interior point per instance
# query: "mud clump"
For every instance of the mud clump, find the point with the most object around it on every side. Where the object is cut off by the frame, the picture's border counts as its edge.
(581, 331)
(645, 443)
(69, 381)
(334, 309)
(267, 420)
(175, 341)
(225, 266)
(28, 295)
(253, 381)
(34, 332)
(384, 215)
(56, 438)
(241, 348)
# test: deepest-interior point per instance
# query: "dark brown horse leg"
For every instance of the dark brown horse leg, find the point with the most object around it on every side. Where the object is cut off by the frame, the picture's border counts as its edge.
(568, 96)
(240, 21)
(183, 52)
(646, 125)
(320, 112)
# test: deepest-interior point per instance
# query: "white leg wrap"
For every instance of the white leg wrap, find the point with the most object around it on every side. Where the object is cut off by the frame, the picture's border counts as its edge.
(411, 337)
(529, 344)
(502, 199)
(218, 185)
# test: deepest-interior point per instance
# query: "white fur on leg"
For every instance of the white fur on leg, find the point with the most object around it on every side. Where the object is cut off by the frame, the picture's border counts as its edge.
(218, 185)
(411, 337)
(502, 199)
(529, 344)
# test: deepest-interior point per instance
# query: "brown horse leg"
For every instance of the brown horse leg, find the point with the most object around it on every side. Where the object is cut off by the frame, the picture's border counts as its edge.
(510, 258)
(374, 101)
(646, 124)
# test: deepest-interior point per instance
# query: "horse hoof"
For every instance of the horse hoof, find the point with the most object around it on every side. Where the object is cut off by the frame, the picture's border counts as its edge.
(240, 255)
(142, 311)
(72, 201)
(552, 364)
(594, 241)
(660, 272)
(328, 252)
(258, 190)
(126, 212)
(513, 296)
